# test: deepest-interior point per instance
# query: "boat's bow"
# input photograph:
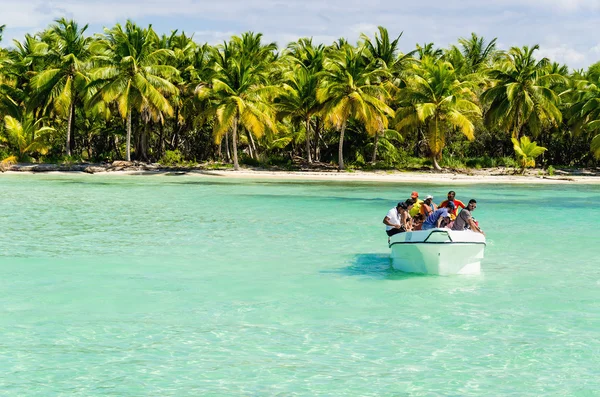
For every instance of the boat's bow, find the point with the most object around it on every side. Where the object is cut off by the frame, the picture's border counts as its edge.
(438, 251)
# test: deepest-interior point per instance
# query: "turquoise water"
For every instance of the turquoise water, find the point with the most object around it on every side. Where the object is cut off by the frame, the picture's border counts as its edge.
(187, 286)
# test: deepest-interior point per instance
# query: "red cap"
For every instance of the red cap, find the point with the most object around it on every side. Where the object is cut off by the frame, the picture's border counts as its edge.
(414, 195)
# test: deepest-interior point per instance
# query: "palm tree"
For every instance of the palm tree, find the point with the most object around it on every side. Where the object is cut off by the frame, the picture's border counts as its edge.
(299, 99)
(477, 52)
(520, 95)
(20, 64)
(65, 55)
(311, 58)
(428, 50)
(585, 110)
(305, 52)
(438, 102)
(526, 152)
(186, 57)
(383, 51)
(132, 73)
(302, 64)
(239, 94)
(26, 137)
(384, 54)
(351, 88)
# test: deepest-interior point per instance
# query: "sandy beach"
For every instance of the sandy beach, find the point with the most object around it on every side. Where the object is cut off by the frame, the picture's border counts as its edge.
(400, 177)
(478, 176)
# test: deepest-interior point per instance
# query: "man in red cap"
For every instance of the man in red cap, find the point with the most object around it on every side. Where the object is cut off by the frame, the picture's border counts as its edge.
(416, 208)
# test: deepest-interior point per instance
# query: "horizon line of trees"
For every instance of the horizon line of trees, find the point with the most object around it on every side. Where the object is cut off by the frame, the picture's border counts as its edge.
(130, 93)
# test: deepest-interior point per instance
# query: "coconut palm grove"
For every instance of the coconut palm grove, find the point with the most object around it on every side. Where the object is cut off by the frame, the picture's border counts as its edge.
(132, 94)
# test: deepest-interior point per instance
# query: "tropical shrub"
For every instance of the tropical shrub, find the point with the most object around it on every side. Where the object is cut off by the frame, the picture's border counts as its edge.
(171, 158)
(526, 152)
(26, 138)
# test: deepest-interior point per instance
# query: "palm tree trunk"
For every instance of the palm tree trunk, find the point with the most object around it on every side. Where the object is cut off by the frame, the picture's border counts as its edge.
(116, 143)
(317, 137)
(73, 127)
(341, 147)
(436, 166)
(250, 145)
(236, 165)
(517, 130)
(176, 130)
(69, 127)
(434, 153)
(308, 156)
(227, 147)
(374, 158)
(160, 140)
(90, 148)
(253, 146)
(129, 134)
(145, 140)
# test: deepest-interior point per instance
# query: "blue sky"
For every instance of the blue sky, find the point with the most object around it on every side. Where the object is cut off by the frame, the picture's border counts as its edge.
(565, 29)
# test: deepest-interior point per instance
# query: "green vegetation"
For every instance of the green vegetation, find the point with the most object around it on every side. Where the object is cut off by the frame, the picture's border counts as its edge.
(130, 93)
(28, 137)
(526, 152)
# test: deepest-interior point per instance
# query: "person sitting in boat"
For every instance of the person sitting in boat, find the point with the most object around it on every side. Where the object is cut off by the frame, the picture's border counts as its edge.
(465, 220)
(427, 207)
(397, 219)
(452, 199)
(417, 222)
(438, 217)
(415, 209)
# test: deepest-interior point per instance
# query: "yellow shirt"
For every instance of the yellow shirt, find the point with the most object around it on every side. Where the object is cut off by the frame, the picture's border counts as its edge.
(415, 209)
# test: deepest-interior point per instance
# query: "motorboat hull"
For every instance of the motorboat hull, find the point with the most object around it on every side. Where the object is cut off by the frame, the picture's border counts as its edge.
(438, 251)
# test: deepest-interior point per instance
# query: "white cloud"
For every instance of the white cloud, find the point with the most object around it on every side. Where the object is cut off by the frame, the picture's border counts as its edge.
(564, 28)
(562, 54)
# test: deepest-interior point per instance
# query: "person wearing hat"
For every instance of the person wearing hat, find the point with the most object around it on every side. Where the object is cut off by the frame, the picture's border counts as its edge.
(435, 219)
(417, 206)
(427, 207)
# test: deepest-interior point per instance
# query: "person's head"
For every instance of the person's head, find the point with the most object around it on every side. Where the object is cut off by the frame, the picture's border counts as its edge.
(451, 195)
(428, 199)
(451, 205)
(414, 196)
(402, 206)
(472, 205)
(409, 203)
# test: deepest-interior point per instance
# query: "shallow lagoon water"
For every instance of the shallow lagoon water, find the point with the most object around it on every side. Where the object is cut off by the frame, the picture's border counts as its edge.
(186, 285)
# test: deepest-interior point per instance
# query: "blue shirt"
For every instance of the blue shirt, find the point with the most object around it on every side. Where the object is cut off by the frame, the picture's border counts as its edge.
(432, 219)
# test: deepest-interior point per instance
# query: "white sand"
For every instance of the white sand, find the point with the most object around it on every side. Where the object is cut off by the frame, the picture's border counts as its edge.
(379, 176)
(373, 176)
(394, 177)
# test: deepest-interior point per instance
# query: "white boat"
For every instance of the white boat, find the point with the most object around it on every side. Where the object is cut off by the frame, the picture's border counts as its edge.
(438, 251)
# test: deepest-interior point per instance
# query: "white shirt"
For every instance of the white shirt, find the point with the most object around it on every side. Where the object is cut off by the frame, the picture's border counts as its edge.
(394, 217)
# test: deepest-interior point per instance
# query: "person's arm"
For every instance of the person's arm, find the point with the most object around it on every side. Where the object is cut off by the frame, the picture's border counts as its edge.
(403, 219)
(439, 221)
(387, 222)
(473, 226)
(459, 204)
